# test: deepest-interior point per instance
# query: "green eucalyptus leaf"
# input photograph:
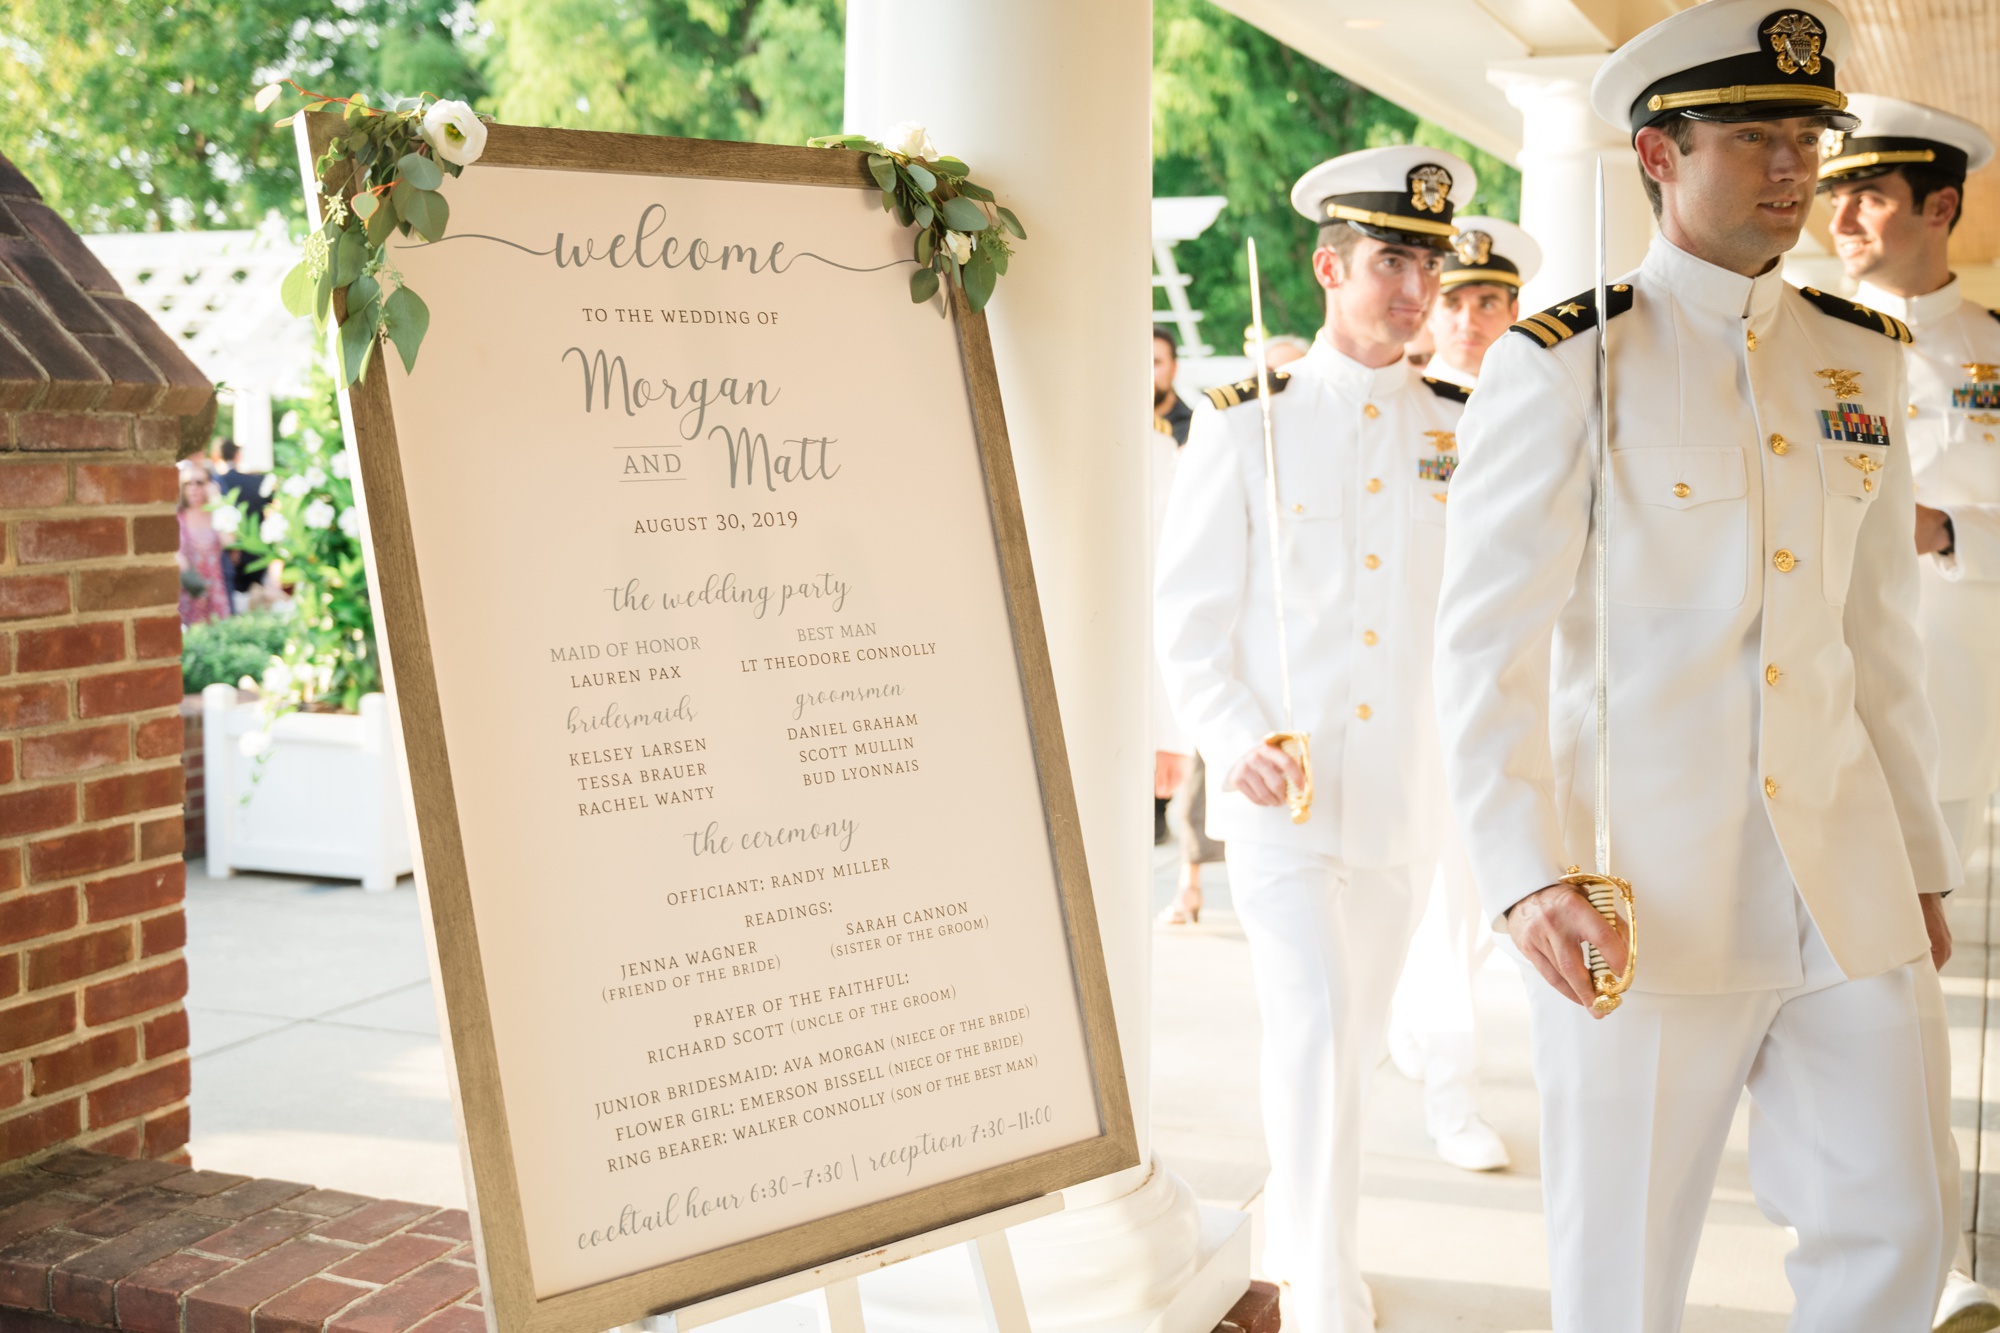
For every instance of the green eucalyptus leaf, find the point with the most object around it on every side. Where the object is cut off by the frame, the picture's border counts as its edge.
(363, 291)
(356, 112)
(323, 297)
(419, 171)
(365, 205)
(357, 340)
(883, 170)
(971, 191)
(409, 319)
(380, 224)
(978, 279)
(888, 201)
(951, 166)
(926, 246)
(923, 285)
(924, 179)
(963, 215)
(297, 291)
(925, 215)
(997, 257)
(903, 213)
(350, 253)
(1011, 223)
(425, 210)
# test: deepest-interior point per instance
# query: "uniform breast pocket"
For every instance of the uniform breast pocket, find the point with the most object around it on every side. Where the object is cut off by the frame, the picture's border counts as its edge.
(1974, 427)
(1851, 475)
(1427, 504)
(1680, 528)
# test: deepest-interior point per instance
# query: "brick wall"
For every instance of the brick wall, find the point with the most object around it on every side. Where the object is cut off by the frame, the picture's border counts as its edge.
(194, 798)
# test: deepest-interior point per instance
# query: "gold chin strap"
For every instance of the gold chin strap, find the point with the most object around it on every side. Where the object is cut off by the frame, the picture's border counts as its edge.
(1453, 277)
(1856, 161)
(1392, 221)
(1737, 94)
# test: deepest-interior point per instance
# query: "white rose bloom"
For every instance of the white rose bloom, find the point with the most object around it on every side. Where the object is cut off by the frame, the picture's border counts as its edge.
(277, 677)
(226, 518)
(315, 477)
(318, 515)
(274, 529)
(288, 424)
(337, 465)
(296, 486)
(454, 133)
(266, 486)
(350, 522)
(961, 245)
(313, 440)
(911, 140)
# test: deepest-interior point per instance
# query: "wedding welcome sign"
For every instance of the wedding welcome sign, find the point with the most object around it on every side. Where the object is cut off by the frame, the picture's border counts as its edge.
(752, 863)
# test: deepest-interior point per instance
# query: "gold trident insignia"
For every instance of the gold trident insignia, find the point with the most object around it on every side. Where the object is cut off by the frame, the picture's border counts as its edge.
(1444, 441)
(1981, 370)
(1843, 383)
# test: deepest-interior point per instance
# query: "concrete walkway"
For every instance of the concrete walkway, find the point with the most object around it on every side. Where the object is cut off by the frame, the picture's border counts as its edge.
(316, 1057)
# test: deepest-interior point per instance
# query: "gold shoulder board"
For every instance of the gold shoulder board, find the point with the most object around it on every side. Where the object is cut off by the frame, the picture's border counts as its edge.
(1858, 314)
(1245, 390)
(1569, 318)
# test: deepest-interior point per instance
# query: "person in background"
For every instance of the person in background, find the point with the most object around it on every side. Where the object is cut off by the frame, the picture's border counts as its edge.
(1898, 188)
(247, 490)
(1171, 416)
(1434, 1026)
(1421, 349)
(203, 566)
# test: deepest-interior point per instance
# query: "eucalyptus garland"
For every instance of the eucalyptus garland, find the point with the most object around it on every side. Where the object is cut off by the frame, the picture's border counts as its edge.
(377, 178)
(961, 230)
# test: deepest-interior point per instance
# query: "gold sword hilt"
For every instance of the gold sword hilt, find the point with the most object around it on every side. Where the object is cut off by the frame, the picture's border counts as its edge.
(1297, 744)
(1608, 893)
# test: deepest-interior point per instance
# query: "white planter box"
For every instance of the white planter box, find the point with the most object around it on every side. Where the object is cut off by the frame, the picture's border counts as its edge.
(326, 801)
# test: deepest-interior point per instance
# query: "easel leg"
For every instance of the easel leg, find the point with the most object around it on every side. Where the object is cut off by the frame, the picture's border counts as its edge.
(999, 1286)
(843, 1307)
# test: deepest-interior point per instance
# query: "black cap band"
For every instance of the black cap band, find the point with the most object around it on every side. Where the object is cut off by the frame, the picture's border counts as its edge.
(1863, 157)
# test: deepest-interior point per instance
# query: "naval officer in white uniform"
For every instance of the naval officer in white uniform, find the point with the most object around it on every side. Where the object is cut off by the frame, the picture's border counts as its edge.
(1434, 1025)
(1365, 452)
(1897, 186)
(1772, 750)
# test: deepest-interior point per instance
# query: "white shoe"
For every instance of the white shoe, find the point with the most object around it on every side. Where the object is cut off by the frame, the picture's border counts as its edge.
(1476, 1146)
(1967, 1307)
(1406, 1051)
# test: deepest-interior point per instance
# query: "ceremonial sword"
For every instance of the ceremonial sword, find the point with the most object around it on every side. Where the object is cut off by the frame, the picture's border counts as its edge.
(1297, 744)
(1606, 892)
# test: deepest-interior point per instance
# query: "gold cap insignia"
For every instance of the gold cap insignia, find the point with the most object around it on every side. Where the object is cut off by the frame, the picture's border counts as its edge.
(1843, 383)
(1829, 144)
(1796, 38)
(1473, 248)
(1429, 186)
(1981, 370)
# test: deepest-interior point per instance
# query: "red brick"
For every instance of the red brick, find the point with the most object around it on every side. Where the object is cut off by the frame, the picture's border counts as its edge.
(149, 1301)
(114, 1179)
(30, 596)
(33, 705)
(157, 434)
(162, 736)
(34, 915)
(257, 1233)
(139, 1094)
(253, 1196)
(126, 483)
(188, 390)
(128, 1212)
(455, 1319)
(45, 541)
(79, 956)
(141, 891)
(6, 761)
(83, 1286)
(73, 430)
(202, 1184)
(39, 1128)
(162, 837)
(126, 794)
(223, 1304)
(328, 1203)
(37, 810)
(25, 1265)
(34, 485)
(85, 1061)
(123, 587)
(10, 868)
(373, 1221)
(307, 1307)
(165, 1133)
(163, 933)
(154, 988)
(156, 534)
(79, 853)
(452, 1224)
(37, 1021)
(40, 1212)
(157, 637)
(391, 1258)
(128, 691)
(13, 1084)
(166, 1034)
(398, 1306)
(122, 1143)
(75, 751)
(70, 646)
(10, 975)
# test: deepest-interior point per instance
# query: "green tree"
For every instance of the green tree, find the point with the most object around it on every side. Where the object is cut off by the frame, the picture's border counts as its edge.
(1239, 114)
(137, 116)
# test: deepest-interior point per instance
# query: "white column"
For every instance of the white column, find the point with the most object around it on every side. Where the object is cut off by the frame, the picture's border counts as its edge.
(1049, 102)
(1562, 141)
(251, 427)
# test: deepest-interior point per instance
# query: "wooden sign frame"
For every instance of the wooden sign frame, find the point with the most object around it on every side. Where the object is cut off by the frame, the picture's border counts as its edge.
(409, 669)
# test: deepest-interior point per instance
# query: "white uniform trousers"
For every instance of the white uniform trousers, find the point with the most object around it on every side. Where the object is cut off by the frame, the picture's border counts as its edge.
(1326, 944)
(1850, 1142)
(1434, 1002)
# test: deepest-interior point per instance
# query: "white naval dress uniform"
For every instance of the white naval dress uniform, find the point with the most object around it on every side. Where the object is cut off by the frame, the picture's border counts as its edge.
(1363, 461)
(1954, 438)
(1773, 798)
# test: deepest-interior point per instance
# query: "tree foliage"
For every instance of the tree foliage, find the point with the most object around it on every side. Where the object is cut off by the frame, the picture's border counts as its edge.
(1239, 114)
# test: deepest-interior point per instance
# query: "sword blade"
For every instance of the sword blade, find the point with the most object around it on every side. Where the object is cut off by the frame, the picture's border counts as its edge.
(1271, 510)
(1600, 520)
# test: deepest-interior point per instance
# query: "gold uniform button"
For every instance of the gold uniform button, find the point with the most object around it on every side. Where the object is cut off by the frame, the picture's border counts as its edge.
(1372, 561)
(1298, 509)
(1779, 445)
(1364, 712)
(1770, 786)
(1375, 483)
(1682, 490)
(1371, 411)
(1368, 637)
(1913, 409)
(1784, 560)
(1989, 437)
(1750, 339)
(1772, 674)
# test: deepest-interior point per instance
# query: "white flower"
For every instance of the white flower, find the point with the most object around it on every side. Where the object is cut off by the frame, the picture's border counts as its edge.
(288, 424)
(274, 529)
(350, 522)
(315, 477)
(266, 486)
(313, 440)
(337, 465)
(227, 518)
(296, 486)
(961, 245)
(454, 133)
(318, 515)
(911, 140)
(277, 677)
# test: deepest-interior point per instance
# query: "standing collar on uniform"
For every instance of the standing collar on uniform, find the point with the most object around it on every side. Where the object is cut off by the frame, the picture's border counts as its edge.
(1441, 369)
(1706, 287)
(1350, 377)
(1916, 311)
